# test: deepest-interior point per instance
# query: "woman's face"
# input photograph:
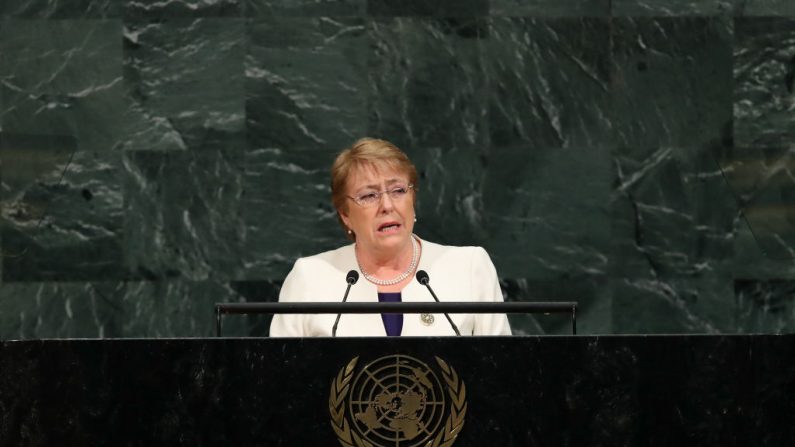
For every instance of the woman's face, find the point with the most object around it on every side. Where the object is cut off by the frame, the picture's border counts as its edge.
(388, 224)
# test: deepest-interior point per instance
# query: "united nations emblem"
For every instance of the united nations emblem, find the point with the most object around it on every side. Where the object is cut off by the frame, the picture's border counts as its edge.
(397, 401)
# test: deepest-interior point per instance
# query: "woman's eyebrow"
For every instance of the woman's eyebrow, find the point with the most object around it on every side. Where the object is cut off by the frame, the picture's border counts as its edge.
(387, 182)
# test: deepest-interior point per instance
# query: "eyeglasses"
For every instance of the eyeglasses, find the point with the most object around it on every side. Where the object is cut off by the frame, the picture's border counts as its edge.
(396, 193)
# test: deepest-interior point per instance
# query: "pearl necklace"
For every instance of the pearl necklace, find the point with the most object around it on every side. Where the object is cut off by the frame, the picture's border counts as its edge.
(389, 282)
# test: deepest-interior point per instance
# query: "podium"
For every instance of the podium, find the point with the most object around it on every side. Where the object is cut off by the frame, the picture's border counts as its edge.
(518, 391)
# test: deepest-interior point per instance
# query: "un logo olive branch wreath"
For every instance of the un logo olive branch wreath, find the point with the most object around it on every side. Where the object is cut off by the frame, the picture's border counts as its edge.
(340, 386)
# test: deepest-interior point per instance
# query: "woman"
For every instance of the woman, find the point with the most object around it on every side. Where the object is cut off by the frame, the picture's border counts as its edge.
(373, 188)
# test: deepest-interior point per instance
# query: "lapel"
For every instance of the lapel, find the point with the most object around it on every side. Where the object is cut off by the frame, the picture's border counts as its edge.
(362, 292)
(416, 292)
(365, 291)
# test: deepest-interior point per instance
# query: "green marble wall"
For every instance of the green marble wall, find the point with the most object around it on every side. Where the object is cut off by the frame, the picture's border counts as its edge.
(636, 156)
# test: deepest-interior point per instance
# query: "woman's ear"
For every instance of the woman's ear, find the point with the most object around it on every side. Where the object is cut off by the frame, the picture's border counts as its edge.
(345, 219)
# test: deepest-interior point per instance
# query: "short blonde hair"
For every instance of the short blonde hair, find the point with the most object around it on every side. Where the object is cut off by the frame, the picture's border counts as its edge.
(366, 152)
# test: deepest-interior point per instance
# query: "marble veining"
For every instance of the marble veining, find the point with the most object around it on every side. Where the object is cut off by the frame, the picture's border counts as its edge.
(157, 157)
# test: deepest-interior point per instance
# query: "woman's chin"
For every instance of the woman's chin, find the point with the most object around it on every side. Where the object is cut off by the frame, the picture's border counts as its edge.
(391, 238)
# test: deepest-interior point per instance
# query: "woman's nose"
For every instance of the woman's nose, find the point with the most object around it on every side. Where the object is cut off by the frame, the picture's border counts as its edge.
(386, 201)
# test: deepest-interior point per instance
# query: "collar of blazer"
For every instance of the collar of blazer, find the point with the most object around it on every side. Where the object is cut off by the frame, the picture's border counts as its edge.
(365, 291)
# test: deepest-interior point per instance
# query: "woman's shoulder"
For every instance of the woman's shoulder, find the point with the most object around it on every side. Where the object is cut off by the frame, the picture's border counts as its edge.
(437, 251)
(332, 258)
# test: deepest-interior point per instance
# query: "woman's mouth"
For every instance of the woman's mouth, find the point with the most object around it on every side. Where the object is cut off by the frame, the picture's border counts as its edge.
(388, 227)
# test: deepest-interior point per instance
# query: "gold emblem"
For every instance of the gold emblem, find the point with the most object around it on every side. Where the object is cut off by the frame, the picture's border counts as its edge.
(397, 401)
(427, 319)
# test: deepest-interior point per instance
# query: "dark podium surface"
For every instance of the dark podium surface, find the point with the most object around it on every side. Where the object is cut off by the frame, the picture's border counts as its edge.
(520, 391)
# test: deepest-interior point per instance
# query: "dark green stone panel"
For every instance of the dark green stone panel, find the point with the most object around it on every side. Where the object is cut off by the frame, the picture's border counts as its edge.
(764, 82)
(672, 214)
(592, 294)
(546, 211)
(114, 309)
(177, 309)
(251, 291)
(63, 77)
(450, 201)
(761, 182)
(185, 84)
(685, 8)
(751, 261)
(637, 165)
(62, 228)
(305, 8)
(136, 10)
(427, 87)
(550, 8)
(674, 305)
(27, 160)
(306, 83)
(672, 82)
(183, 216)
(287, 210)
(428, 8)
(765, 305)
(61, 9)
(770, 8)
(549, 82)
(656, 8)
(60, 310)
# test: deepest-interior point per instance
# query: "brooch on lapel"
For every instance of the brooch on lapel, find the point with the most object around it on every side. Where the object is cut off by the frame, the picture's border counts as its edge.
(426, 319)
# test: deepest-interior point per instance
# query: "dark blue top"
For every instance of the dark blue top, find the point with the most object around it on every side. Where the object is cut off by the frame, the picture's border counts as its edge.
(393, 323)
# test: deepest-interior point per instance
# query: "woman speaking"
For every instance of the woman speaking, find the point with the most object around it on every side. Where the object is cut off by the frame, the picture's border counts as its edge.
(373, 189)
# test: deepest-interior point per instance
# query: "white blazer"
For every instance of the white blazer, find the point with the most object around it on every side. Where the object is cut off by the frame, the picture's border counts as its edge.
(456, 274)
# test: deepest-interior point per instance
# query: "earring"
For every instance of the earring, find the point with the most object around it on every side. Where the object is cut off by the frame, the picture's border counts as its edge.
(350, 231)
(415, 218)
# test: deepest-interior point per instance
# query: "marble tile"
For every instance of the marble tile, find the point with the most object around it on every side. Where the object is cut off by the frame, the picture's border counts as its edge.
(770, 8)
(136, 10)
(592, 294)
(765, 306)
(660, 223)
(165, 309)
(685, 8)
(183, 215)
(62, 77)
(550, 8)
(549, 82)
(752, 259)
(761, 180)
(428, 8)
(672, 81)
(764, 82)
(680, 8)
(185, 85)
(427, 87)
(61, 310)
(105, 309)
(286, 211)
(545, 211)
(306, 83)
(66, 223)
(450, 201)
(251, 325)
(673, 305)
(61, 9)
(305, 8)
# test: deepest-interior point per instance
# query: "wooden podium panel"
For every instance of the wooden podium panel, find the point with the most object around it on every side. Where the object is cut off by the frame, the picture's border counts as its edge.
(518, 391)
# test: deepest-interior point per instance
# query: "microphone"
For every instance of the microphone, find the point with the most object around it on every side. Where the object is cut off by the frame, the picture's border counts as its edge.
(422, 277)
(351, 279)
